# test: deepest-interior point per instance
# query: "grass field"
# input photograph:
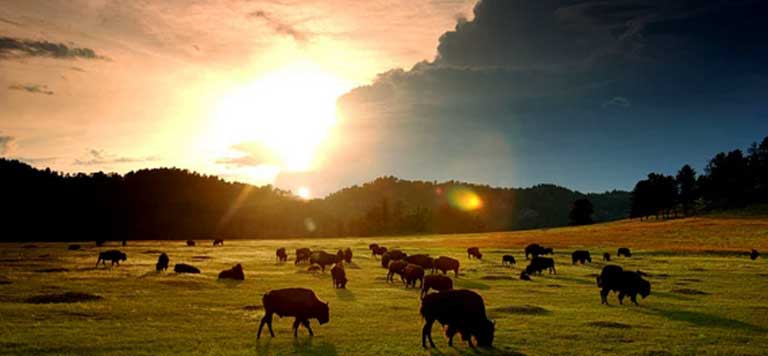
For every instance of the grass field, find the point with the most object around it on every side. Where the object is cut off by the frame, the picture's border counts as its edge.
(708, 298)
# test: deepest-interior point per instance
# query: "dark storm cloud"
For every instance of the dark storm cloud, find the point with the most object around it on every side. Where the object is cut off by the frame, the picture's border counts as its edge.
(549, 76)
(96, 157)
(15, 47)
(279, 26)
(32, 88)
(6, 143)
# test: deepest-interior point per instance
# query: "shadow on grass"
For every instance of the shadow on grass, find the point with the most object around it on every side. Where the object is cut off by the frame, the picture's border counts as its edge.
(307, 346)
(670, 296)
(470, 284)
(705, 320)
(345, 294)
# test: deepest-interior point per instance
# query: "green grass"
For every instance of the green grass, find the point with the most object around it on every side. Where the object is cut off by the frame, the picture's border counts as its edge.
(146, 313)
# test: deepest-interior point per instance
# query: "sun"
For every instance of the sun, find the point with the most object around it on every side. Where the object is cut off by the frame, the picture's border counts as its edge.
(303, 193)
(282, 119)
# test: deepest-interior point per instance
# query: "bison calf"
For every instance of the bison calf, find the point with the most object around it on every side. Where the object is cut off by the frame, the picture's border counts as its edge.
(508, 260)
(114, 256)
(300, 303)
(581, 256)
(436, 282)
(754, 255)
(607, 257)
(460, 311)
(162, 262)
(624, 251)
(339, 276)
(474, 252)
(235, 273)
(281, 255)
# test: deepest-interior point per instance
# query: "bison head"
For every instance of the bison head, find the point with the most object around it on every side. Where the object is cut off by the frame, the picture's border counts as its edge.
(484, 333)
(644, 288)
(324, 314)
(123, 256)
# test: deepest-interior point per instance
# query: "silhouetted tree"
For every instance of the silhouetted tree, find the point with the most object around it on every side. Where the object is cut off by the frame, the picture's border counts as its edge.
(686, 183)
(581, 212)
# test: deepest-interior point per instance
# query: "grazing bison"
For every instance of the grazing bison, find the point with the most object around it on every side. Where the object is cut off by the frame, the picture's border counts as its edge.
(235, 273)
(524, 275)
(393, 255)
(77, 247)
(614, 278)
(436, 282)
(461, 311)
(426, 262)
(508, 260)
(185, 268)
(190, 243)
(323, 259)
(339, 276)
(378, 250)
(413, 273)
(396, 268)
(445, 264)
(581, 256)
(281, 255)
(302, 254)
(373, 246)
(218, 242)
(539, 264)
(114, 256)
(754, 255)
(533, 249)
(297, 302)
(624, 251)
(547, 251)
(348, 255)
(606, 257)
(474, 252)
(162, 262)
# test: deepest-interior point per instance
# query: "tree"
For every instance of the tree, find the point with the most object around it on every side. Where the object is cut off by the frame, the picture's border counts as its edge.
(686, 184)
(581, 212)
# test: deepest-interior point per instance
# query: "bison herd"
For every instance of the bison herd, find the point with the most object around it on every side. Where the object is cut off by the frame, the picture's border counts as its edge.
(459, 311)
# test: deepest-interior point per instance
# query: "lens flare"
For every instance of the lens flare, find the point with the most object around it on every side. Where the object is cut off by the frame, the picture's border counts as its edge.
(464, 198)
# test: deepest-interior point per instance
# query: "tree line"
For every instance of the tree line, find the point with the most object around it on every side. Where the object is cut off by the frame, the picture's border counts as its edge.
(171, 203)
(730, 180)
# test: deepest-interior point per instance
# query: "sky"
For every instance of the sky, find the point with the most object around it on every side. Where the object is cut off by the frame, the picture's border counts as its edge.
(318, 95)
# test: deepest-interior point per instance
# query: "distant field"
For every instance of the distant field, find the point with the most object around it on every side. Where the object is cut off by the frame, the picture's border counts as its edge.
(708, 298)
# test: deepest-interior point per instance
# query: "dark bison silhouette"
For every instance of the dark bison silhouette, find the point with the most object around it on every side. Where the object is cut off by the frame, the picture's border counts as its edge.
(624, 251)
(508, 260)
(607, 257)
(396, 268)
(445, 264)
(627, 283)
(377, 250)
(536, 250)
(235, 273)
(162, 262)
(300, 303)
(185, 268)
(114, 256)
(392, 255)
(581, 256)
(754, 255)
(474, 252)
(539, 264)
(190, 243)
(348, 255)
(218, 242)
(426, 262)
(281, 255)
(413, 273)
(339, 276)
(322, 259)
(302, 255)
(437, 282)
(459, 311)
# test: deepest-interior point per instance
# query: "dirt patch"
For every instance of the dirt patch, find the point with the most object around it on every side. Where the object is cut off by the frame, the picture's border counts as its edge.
(523, 310)
(496, 278)
(68, 297)
(253, 307)
(51, 270)
(689, 291)
(609, 324)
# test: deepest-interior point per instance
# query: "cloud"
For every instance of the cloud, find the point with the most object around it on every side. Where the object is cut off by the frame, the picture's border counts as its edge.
(279, 26)
(617, 102)
(37, 160)
(15, 47)
(96, 157)
(7, 144)
(32, 88)
(250, 154)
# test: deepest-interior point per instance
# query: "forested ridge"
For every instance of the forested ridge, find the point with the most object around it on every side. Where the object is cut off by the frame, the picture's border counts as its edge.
(171, 203)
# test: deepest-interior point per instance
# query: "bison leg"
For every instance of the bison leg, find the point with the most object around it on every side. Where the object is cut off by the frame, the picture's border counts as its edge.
(621, 297)
(633, 297)
(267, 319)
(97, 262)
(604, 295)
(296, 327)
(305, 322)
(426, 333)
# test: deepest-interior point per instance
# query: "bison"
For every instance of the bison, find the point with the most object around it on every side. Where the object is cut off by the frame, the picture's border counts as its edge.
(445, 264)
(302, 254)
(300, 303)
(424, 261)
(436, 282)
(114, 256)
(378, 250)
(185, 268)
(606, 257)
(525, 276)
(218, 242)
(460, 311)
(281, 255)
(235, 273)
(508, 260)
(581, 256)
(340, 255)
(474, 252)
(348, 255)
(392, 255)
(539, 264)
(190, 243)
(624, 251)
(339, 276)
(614, 278)
(413, 273)
(754, 255)
(373, 246)
(323, 259)
(162, 262)
(533, 249)
(396, 268)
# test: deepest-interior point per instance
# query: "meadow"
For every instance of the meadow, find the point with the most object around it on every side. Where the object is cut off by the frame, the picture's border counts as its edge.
(708, 297)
